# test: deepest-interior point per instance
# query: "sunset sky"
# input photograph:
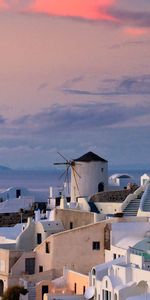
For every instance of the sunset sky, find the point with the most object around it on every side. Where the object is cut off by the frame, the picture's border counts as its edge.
(74, 77)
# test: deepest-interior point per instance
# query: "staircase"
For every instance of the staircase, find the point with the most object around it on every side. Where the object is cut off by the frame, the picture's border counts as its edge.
(132, 208)
(146, 198)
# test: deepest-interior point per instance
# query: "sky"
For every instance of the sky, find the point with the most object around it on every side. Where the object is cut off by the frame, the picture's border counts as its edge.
(74, 77)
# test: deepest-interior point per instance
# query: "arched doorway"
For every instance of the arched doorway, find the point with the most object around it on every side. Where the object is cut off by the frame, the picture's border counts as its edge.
(100, 187)
(142, 287)
(115, 296)
(1, 287)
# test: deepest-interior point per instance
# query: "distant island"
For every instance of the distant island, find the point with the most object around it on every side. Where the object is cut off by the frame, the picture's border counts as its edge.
(4, 168)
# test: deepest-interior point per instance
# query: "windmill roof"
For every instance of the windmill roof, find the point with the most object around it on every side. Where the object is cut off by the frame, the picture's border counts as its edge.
(90, 156)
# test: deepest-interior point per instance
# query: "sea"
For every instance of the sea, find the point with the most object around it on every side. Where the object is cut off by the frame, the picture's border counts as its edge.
(41, 180)
(37, 181)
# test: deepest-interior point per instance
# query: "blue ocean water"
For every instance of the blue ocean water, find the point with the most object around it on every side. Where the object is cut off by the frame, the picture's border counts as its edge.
(41, 180)
(37, 181)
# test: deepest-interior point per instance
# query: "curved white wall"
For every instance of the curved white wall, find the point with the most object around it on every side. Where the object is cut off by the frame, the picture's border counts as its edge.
(92, 173)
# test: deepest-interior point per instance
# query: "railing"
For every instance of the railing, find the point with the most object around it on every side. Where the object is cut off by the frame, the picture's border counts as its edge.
(130, 197)
(144, 197)
(140, 252)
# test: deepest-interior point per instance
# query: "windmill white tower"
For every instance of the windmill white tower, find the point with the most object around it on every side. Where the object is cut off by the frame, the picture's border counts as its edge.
(89, 175)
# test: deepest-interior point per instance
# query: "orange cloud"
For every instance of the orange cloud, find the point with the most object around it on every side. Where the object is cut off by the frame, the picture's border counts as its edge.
(88, 9)
(134, 31)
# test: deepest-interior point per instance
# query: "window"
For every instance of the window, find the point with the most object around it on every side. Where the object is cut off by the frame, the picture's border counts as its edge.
(39, 238)
(40, 268)
(114, 256)
(106, 295)
(83, 289)
(96, 245)
(103, 294)
(47, 247)
(75, 288)
(18, 193)
(93, 272)
(102, 170)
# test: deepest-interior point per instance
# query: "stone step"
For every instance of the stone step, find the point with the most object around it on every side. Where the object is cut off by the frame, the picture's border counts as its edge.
(131, 209)
(130, 215)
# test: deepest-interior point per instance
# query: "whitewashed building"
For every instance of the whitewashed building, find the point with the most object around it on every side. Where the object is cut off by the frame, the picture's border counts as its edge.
(26, 236)
(126, 272)
(120, 181)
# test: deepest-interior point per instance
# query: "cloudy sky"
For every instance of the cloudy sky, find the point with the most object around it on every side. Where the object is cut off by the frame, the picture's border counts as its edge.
(74, 77)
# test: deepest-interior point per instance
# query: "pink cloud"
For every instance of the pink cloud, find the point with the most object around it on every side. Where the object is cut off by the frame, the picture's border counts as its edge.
(87, 9)
(132, 23)
(3, 5)
(135, 31)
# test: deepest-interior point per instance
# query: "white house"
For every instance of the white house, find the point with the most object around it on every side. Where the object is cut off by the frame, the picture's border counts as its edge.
(14, 193)
(120, 180)
(26, 236)
(121, 278)
(145, 178)
(126, 271)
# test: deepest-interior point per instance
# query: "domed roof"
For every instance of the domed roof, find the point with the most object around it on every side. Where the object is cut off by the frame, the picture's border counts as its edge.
(90, 156)
(121, 176)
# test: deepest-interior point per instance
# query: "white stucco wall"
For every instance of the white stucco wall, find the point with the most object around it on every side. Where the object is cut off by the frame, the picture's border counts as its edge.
(108, 207)
(91, 174)
(123, 230)
(11, 193)
(145, 178)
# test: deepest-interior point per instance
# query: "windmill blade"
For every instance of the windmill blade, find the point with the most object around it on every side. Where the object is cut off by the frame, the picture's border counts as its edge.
(75, 180)
(63, 156)
(68, 185)
(57, 164)
(66, 172)
(67, 177)
(75, 171)
(67, 163)
(62, 174)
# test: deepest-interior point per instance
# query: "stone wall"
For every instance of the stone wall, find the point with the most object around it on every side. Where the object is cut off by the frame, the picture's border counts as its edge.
(112, 196)
(73, 218)
(10, 219)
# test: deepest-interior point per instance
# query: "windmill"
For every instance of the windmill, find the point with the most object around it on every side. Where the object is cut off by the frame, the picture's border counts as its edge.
(70, 165)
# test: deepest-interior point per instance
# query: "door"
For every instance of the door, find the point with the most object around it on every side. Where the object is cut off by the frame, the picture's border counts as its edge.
(30, 265)
(44, 290)
(101, 187)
